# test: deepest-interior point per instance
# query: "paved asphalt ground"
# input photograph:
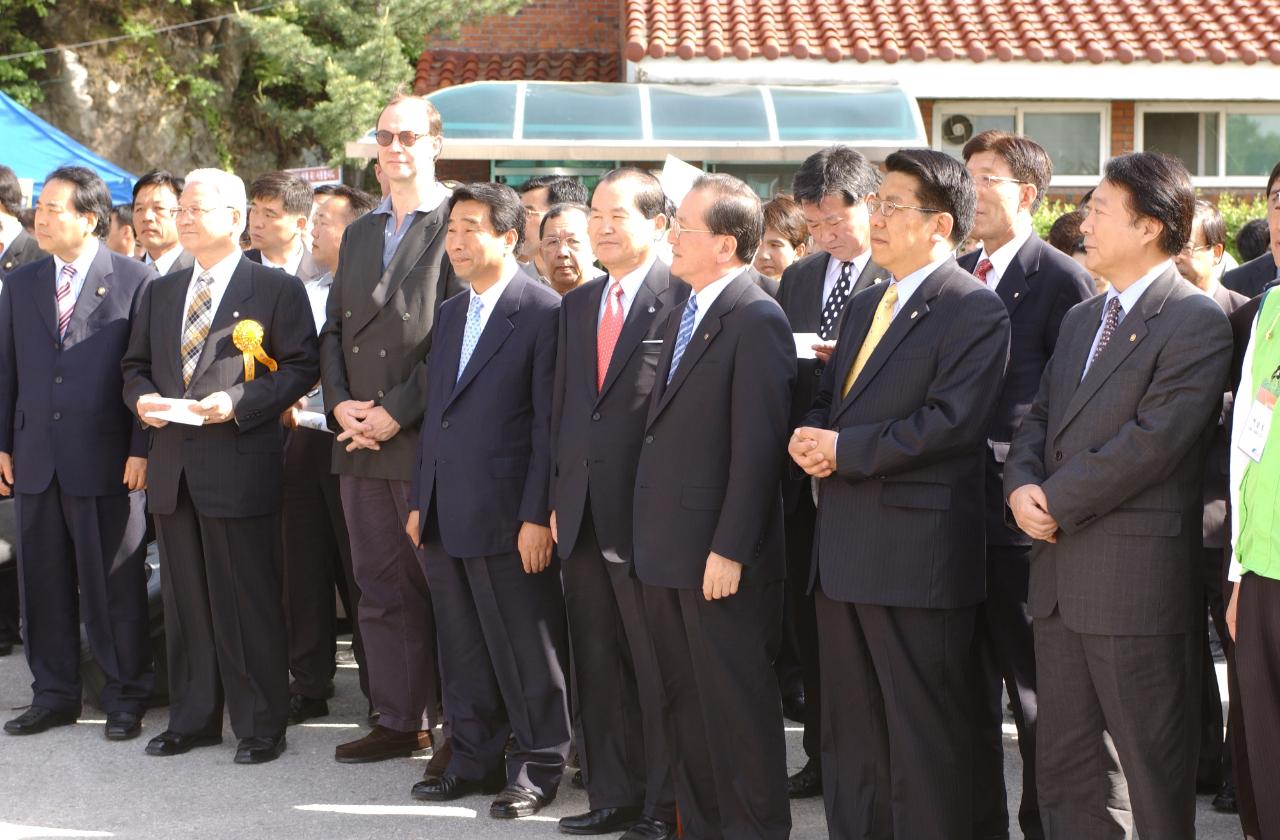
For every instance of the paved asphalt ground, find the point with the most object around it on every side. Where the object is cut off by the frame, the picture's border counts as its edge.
(71, 782)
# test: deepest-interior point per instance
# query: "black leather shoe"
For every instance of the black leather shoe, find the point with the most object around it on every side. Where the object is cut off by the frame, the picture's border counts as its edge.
(122, 726)
(305, 708)
(1225, 801)
(449, 787)
(37, 719)
(806, 783)
(176, 743)
(516, 801)
(793, 708)
(650, 829)
(600, 821)
(576, 780)
(259, 750)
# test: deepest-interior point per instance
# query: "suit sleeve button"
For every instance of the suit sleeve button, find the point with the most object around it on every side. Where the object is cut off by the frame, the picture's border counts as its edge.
(381, 395)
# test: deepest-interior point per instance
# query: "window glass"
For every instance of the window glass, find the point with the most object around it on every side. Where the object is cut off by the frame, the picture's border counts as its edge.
(815, 114)
(581, 112)
(1253, 143)
(707, 114)
(1176, 134)
(477, 110)
(1073, 141)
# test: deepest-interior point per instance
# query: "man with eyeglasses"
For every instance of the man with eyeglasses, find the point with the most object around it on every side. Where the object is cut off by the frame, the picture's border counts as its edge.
(897, 436)
(1037, 284)
(155, 203)
(232, 343)
(566, 247)
(538, 195)
(392, 276)
(814, 293)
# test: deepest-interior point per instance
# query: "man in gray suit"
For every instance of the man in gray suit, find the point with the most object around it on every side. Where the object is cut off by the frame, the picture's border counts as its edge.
(155, 207)
(392, 276)
(1105, 472)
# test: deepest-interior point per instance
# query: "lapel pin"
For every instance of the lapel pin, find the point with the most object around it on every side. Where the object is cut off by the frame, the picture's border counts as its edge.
(915, 313)
(1017, 295)
(1133, 337)
(235, 314)
(102, 290)
(706, 336)
(652, 309)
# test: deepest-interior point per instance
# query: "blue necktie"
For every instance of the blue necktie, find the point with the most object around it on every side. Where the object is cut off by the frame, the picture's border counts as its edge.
(471, 334)
(682, 337)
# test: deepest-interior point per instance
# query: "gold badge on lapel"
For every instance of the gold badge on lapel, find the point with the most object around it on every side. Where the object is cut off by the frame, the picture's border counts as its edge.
(247, 337)
(102, 291)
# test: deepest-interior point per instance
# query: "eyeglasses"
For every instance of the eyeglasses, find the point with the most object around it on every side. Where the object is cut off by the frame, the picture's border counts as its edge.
(993, 180)
(1190, 250)
(196, 212)
(678, 229)
(406, 138)
(888, 208)
(140, 209)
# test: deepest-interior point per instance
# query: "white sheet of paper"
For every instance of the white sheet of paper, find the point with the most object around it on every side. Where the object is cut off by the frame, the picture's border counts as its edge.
(313, 420)
(804, 345)
(176, 411)
(677, 178)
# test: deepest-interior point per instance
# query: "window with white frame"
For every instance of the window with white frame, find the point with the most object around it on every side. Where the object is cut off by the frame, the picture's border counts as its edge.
(1235, 143)
(1073, 133)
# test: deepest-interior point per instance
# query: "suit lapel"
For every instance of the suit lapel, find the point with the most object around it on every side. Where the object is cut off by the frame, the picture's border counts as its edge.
(44, 291)
(810, 296)
(647, 307)
(99, 278)
(307, 268)
(496, 330)
(594, 295)
(239, 290)
(870, 276)
(706, 331)
(423, 230)
(1013, 286)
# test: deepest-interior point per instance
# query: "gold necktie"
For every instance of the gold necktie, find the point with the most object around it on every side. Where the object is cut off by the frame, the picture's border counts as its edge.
(879, 326)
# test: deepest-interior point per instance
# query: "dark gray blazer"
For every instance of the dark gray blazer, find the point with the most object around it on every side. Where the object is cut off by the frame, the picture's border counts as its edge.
(901, 522)
(1252, 277)
(375, 340)
(21, 251)
(1119, 456)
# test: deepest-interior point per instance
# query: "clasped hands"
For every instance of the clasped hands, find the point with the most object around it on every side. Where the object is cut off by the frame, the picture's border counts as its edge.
(364, 424)
(813, 450)
(1030, 509)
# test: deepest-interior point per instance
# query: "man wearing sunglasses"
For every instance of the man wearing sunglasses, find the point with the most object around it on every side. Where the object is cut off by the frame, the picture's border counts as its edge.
(897, 436)
(392, 277)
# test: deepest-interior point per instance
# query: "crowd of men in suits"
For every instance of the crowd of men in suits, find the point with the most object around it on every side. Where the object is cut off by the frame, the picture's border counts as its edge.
(568, 508)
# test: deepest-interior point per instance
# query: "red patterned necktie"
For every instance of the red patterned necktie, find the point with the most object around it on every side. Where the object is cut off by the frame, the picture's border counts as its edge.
(607, 334)
(983, 270)
(66, 303)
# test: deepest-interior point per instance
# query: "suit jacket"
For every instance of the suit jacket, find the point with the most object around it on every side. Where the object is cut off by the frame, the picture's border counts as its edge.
(597, 435)
(374, 344)
(234, 468)
(1119, 457)
(800, 296)
(307, 268)
(24, 249)
(1217, 468)
(714, 446)
(1252, 277)
(900, 523)
(767, 285)
(485, 450)
(60, 408)
(1038, 288)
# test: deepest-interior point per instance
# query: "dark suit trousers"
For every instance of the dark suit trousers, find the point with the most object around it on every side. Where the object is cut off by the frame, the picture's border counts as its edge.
(1137, 689)
(800, 527)
(397, 625)
(9, 625)
(502, 662)
(619, 688)
(724, 713)
(223, 621)
(895, 723)
(1215, 750)
(1246, 799)
(1257, 655)
(93, 546)
(1004, 658)
(317, 557)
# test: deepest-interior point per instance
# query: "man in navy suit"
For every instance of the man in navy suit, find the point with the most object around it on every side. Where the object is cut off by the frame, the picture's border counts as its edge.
(709, 549)
(479, 506)
(1257, 274)
(71, 452)
(1038, 284)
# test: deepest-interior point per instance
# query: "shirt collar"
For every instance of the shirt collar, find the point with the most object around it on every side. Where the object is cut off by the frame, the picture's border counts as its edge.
(164, 264)
(711, 291)
(859, 266)
(433, 197)
(1004, 255)
(632, 281)
(489, 297)
(290, 265)
(907, 285)
(1130, 296)
(221, 270)
(81, 263)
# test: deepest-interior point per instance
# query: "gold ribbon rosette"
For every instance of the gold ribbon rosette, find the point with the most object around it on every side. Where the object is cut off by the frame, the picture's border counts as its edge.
(247, 337)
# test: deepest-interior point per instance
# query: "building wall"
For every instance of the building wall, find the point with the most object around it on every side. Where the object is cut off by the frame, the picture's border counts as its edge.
(1122, 117)
(544, 25)
(463, 171)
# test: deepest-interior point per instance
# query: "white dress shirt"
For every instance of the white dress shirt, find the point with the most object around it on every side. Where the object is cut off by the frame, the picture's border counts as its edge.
(489, 297)
(1003, 256)
(221, 272)
(833, 273)
(710, 292)
(631, 284)
(81, 265)
(1128, 299)
(164, 263)
(289, 266)
(907, 285)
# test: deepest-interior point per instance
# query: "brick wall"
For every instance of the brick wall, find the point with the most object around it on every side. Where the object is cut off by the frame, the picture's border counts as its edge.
(1121, 127)
(464, 171)
(544, 25)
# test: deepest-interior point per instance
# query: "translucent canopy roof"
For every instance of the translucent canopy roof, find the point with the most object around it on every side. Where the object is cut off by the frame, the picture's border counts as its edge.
(600, 120)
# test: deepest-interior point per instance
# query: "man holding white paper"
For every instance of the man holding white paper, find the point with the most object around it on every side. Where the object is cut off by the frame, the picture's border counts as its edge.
(237, 338)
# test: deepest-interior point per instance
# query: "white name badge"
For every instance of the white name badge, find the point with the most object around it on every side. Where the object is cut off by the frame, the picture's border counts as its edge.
(1258, 425)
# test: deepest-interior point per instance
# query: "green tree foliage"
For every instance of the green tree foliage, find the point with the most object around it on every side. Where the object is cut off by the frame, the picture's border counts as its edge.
(322, 69)
(18, 20)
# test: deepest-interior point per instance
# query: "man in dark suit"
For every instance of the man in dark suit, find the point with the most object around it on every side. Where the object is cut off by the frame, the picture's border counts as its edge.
(17, 248)
(480, 507)
(711, 554)
(831, 186)
(237, 339)
(1038, 284)
(392, 277)
(155, 203)
(81, 460)
(897, 434)
(1106, 472)
(1255, 275)
(606, 365)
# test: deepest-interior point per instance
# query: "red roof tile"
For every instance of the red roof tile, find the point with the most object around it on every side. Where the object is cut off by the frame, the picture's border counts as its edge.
(442, 68)
(918, 30)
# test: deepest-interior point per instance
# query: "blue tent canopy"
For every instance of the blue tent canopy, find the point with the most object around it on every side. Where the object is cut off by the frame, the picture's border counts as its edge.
(32, 148)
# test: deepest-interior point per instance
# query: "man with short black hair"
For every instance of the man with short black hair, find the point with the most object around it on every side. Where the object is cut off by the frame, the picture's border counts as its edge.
(897, 436)
(155, 205)
(76, 461)
(17, 247)
(1253, 239)
(1038, 285)
(279, 211)
(1106, 473)
(538, 195)
(1260, 272)
(120, 235)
